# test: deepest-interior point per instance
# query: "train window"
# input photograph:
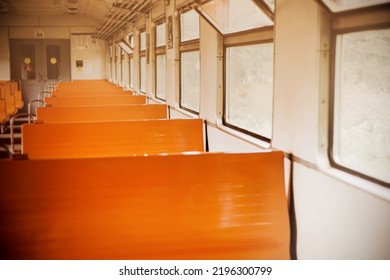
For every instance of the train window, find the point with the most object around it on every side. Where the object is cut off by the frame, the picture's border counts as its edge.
(142, 63)
(53, 62)
(143, 74)
(226, 15)
(344, 5)
(161, 60)
(29, 62)
(142, 40)
(189, 61)
(131, 67)
(110, 64)
(160, 35)
(130, 41)
(118, 64)
(249, 62)
(190, 80)
(189, 26)
(122, 82)
(270, 4)
(361, 119)
(249, 88)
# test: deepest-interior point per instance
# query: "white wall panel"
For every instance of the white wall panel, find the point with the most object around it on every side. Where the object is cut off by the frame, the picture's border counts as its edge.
(296, 76)
(338, 221)
(4, 55)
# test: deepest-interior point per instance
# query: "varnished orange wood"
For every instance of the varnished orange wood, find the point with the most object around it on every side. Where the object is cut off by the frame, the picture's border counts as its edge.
(101, 113)
(95, 100)
(9, 96)
(3, 106)
(206, 206)
(89, 92)
(105, 139)
(19, 103)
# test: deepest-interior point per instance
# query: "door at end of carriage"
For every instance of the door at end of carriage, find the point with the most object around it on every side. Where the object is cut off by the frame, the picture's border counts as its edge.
(38, 64)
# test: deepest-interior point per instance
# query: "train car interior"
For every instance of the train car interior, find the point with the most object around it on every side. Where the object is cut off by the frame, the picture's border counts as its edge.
(195, 129)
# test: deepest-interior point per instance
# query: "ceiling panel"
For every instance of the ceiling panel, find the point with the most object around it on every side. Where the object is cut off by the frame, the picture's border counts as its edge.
(112, 15)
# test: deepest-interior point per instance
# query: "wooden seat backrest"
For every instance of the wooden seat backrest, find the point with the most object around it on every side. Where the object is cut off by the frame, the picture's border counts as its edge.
(205, 206)
(9, 98)
(91, 93)
(109, 139)
(95, 100)
(101, 113)
(3, 106)
(88, 86)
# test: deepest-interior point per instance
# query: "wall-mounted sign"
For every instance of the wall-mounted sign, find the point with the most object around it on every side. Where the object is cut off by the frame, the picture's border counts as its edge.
(39, 34)
(79, 63)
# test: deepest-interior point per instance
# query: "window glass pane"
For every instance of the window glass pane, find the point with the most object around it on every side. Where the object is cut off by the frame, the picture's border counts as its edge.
(131, 81)
(227, 15)
(189, 26)
(111, 51)
(361, 125)
(143, 74)
(345, 5)
(142, 37)
(122, 68)
(53, 62)
(160, 35)
(249, 89)
(130, 40)
(28, 63)
(161, 76)
(271, 4)
(190, 80)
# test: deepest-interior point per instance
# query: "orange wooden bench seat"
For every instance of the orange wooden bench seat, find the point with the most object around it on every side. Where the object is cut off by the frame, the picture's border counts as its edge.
(82, 93)
(107, 139)
(101, 113)
(76, 85)
(4, 116)
(205, 206)
(95, 100)
(10, 99)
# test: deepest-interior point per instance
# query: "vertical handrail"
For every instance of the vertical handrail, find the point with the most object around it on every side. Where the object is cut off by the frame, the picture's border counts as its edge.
(42, 94)
(29, 107)
(11, 124)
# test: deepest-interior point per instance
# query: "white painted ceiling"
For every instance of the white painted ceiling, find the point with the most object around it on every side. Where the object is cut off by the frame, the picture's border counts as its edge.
(113, 15)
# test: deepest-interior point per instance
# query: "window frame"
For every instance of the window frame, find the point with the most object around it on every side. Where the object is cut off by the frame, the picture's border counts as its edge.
(263, 7)
(190, 45)
(122, 55)
(110, 51)
(160, 50)
(130, 41)
(262, 35)
(224, 99)
(142, 54)
(338, 27)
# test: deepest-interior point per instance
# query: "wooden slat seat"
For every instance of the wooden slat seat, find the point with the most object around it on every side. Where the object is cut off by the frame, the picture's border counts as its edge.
(9, 98)
(88, 85)
(205, 206)
(101, 113)
(95, 100)
(107, 139)
(17, 93)
(91, 93)
(3, 106)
